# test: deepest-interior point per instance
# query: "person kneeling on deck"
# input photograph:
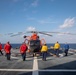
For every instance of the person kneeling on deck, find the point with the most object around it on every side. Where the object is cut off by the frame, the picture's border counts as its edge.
(44, 50)
(7, 48)
(56, 48)
(23, 49)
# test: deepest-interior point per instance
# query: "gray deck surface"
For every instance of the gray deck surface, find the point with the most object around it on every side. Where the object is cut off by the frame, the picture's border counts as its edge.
(53, 66)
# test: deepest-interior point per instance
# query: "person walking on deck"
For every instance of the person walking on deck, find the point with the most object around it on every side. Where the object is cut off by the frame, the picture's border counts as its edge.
(7, 48)
(23, 49)
(56, 48)
(66, 48)
(1, 49)
(44, 50)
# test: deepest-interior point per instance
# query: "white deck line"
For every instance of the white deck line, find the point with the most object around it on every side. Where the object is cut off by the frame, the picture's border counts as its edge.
(35, 72)
(58, 70)
(16, 70)
(15, 57)
(35, 67)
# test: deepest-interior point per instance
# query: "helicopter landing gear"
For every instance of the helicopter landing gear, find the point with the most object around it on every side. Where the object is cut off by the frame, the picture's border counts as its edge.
(34, 54)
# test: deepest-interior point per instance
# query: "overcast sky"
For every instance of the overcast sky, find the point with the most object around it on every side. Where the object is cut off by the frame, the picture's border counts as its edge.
(42, 15)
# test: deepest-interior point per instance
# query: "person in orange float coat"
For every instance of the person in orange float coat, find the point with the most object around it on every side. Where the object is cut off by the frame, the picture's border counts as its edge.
(23, 49)
(7, 48)
(34, 36)
(1, 49)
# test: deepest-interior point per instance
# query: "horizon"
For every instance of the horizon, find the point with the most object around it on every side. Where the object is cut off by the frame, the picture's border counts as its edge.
(46, 43)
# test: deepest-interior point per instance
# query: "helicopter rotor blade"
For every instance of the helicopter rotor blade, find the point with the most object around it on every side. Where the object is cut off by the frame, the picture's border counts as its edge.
(45, 33)
(15, 34)
(60, 33)
(9, 34)
(19, 33)
(40, 32)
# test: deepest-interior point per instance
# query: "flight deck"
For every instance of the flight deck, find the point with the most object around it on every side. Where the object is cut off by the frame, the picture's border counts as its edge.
(36, 66)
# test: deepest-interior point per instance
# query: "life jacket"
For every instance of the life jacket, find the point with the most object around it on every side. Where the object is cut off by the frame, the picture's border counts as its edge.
(57, 46)
(0, 46)
(7, 48)
(34, 36)
(23, 48)
(44, 48)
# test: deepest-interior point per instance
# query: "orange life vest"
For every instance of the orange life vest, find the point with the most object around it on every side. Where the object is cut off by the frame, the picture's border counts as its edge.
(34, 36)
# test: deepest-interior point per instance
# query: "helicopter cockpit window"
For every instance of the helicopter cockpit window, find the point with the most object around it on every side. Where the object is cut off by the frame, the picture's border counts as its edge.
(37, 42)
(31, 42)
(34, 42)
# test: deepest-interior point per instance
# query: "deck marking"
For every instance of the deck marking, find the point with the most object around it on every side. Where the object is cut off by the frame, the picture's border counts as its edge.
(16, 70)
(35, 67)
(15, 57)
(58, 70)
(46, 58)
(36, 71)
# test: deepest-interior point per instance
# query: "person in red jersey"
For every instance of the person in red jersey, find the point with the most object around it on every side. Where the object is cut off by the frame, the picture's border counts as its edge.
(23, 49)
(1, 48)
(7, 48)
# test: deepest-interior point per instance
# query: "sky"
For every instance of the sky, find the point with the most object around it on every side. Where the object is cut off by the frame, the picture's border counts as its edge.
(41, 15)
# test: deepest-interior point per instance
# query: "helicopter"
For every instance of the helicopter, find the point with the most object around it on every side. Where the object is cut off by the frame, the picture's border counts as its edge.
(34, 42)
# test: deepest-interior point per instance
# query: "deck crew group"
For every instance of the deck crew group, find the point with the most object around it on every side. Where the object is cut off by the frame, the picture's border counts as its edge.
(24, 48)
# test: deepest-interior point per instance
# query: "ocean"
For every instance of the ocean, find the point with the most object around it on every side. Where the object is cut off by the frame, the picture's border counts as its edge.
(72, 46)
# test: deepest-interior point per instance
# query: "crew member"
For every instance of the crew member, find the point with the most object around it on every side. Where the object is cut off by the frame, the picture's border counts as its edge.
(66, 48)
(23, 49)
(1, 49)
(34, 36)
(7, 48)
(56, 48)
(44, 50)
